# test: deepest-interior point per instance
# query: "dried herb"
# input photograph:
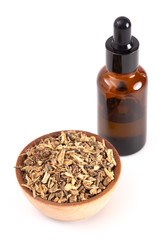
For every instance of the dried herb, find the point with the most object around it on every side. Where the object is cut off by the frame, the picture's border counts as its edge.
(68, 168)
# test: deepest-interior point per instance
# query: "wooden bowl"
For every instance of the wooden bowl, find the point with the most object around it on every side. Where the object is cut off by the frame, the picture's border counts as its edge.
(71, 211)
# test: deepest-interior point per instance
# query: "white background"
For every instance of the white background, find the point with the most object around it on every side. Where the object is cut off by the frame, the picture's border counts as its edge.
(50, 54)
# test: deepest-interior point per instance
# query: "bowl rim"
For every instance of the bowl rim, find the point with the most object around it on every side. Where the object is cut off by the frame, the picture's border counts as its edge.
(111, 185)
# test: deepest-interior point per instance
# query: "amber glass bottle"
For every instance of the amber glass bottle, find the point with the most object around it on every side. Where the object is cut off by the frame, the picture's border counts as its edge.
(122, 92)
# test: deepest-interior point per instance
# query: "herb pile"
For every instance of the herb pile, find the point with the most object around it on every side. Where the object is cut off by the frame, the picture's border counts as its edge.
(71, 167)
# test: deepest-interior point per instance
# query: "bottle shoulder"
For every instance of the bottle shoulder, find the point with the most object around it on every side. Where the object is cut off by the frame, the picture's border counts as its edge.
(121, 83)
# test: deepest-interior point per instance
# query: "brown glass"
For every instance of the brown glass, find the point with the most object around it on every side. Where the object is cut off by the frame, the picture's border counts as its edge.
(122, 109)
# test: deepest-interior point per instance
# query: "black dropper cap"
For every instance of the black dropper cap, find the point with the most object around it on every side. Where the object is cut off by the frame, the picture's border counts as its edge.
(122, 48)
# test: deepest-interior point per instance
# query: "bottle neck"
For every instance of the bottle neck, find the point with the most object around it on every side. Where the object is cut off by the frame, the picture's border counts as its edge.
(121, 63)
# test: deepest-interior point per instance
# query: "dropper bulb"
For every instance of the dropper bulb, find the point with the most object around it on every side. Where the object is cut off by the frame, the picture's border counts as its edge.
(122, 31)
